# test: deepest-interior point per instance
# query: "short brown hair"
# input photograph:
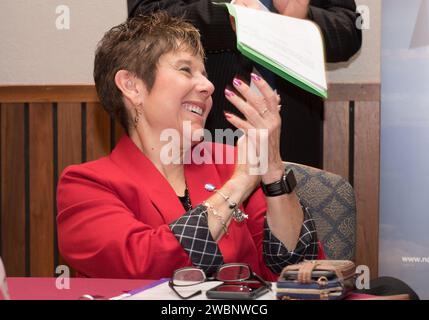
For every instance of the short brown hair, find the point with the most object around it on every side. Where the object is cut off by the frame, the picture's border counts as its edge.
(136, 46)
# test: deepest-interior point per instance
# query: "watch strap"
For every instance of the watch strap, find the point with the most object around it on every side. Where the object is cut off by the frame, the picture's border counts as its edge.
(285, 185)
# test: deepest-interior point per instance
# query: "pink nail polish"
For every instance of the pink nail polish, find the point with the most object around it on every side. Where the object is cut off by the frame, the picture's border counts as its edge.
(229, 93)
(255, 77)
(227, 115)
(237, 82)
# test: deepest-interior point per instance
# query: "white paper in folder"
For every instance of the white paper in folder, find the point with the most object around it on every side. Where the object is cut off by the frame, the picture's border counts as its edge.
(292, 48)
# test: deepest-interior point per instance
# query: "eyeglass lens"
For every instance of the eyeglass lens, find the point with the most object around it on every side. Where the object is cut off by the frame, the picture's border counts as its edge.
(188, 277)
(233, 272)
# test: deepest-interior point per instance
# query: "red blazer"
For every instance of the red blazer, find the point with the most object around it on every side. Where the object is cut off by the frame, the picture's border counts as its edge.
(113, 216)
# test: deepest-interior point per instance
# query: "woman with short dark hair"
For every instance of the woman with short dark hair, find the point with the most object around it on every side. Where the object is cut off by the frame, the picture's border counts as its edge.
(165, 199)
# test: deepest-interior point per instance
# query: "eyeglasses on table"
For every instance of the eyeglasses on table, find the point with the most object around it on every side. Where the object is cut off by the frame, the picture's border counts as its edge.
(234, 274)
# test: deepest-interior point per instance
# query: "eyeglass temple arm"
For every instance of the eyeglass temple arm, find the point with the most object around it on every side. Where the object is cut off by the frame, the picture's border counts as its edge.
(171, 285)
(268, 284)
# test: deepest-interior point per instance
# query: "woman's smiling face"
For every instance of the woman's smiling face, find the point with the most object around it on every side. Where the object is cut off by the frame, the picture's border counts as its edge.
(181, 92)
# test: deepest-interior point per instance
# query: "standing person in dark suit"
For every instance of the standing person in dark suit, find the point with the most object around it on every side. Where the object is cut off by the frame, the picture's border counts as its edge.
(302, 112)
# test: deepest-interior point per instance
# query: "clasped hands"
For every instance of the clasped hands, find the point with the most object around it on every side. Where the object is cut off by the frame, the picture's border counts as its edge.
(261, 127)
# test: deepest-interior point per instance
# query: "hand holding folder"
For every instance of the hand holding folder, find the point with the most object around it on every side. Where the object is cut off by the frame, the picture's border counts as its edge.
(289, 47)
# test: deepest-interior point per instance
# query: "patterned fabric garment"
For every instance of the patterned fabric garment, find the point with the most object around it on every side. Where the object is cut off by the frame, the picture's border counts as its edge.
(277, 256)
(147, 234)
(192, 231)
(332, 202)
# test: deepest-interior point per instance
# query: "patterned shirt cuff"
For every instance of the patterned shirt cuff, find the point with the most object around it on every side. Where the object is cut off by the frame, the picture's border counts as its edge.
(277, 256)
(193, 233)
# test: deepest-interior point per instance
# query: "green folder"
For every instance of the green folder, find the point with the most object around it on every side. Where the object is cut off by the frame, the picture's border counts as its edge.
(272, 65)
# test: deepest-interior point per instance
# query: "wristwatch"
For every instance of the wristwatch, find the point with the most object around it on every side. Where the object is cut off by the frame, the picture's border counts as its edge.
(285, 185)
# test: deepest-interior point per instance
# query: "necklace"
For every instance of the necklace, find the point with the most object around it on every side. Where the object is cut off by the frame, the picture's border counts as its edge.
(186, 200)
(187, 204)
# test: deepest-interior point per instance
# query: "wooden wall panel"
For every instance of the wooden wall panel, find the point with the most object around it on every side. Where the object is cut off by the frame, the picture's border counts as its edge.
(354, 92)
(41, 190)
(367, 182)
(77, 128)
(336, 138)
(69, 135)
(13, 189)
(69, 140)
(98, 142)
(58, 93)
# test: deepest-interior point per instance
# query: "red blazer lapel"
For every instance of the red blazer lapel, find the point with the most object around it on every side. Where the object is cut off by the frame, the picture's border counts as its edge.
(141, 169)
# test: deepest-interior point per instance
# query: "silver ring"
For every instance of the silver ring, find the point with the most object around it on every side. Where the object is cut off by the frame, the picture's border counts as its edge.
(263, 112)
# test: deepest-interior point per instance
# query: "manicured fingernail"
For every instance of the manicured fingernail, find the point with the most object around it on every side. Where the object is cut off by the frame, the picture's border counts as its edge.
(229, 93)
(237, 82)
(227, 115)
(255, 77)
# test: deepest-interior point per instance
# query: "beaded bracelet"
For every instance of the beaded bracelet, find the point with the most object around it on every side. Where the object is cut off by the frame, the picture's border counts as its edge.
(237, 214)
(211, 209)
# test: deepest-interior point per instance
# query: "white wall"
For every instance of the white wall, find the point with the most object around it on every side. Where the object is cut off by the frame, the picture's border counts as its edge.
(34, 51)
(364, 67)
